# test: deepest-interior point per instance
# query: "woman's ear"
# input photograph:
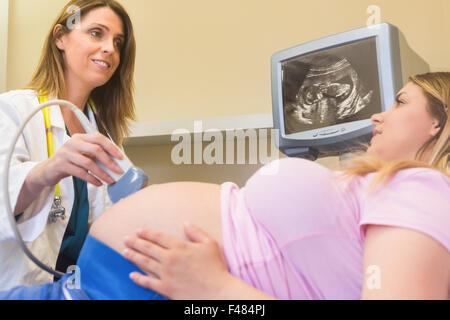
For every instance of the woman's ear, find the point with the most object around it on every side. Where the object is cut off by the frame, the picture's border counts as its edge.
(435, 127)
(58, 35)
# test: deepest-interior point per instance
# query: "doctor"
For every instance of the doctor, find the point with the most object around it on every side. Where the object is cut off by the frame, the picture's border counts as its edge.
(57, 194)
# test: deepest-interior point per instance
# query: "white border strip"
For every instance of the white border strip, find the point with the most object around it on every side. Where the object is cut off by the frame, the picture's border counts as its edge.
(4, 15)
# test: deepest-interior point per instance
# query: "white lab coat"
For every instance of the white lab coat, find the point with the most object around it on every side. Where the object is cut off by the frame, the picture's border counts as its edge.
(42, 237)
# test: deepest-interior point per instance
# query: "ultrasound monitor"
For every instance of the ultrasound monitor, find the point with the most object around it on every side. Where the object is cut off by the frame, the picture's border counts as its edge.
(325, 91)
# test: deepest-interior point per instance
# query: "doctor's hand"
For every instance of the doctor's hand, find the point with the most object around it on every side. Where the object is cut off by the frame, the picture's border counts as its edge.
(178, 269)
(77, 158)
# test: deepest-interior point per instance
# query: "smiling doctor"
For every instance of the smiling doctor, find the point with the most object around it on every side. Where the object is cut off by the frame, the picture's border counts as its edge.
(56, 187)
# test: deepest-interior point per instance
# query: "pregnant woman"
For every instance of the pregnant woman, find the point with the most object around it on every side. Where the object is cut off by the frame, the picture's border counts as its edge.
(306, 232)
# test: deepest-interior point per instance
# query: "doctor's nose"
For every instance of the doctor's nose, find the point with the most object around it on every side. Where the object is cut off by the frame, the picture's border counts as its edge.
(108, 47)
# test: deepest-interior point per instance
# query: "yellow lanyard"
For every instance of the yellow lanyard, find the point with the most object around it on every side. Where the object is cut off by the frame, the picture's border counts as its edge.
(48, 131)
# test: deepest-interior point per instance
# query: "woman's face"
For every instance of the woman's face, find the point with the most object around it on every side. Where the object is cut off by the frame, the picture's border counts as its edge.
(91, 51)
(402, 130)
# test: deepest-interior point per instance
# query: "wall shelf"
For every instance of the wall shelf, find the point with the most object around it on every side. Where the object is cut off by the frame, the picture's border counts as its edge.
(160, 132)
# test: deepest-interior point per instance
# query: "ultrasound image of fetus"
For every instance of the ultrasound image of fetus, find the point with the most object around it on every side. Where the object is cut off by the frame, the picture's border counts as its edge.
(330, 92)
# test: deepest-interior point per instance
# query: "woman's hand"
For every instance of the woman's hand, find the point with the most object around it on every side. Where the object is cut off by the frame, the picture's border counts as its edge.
(77, 158)
(178, 269)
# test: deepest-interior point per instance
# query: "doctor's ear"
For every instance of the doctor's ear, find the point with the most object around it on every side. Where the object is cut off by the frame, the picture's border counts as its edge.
(58, 35)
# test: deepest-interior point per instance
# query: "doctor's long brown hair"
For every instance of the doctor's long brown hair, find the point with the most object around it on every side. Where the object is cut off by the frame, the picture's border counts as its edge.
(436, 88)
(114, 100)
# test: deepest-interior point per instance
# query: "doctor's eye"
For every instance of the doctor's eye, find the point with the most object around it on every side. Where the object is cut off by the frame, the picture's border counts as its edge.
(118, 43)
(96, 33)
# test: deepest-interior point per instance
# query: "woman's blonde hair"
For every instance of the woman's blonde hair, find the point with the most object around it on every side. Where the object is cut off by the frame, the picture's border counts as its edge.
(114, 100)
(436, 88)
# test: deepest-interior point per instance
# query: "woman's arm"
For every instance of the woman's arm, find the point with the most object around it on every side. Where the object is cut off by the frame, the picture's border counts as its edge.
(179, 269)
(404, 264)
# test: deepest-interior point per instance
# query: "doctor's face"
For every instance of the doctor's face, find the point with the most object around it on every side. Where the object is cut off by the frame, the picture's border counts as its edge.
(91, 51)
(402, 130)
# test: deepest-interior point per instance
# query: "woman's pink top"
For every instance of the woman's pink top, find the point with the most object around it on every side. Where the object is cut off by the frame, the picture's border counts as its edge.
(296, 232)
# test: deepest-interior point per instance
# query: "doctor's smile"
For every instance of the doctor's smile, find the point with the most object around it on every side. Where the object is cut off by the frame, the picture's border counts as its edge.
(357, 206)
(104, 65)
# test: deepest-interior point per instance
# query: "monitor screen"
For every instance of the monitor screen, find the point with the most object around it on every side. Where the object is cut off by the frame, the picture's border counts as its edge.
(331, 86)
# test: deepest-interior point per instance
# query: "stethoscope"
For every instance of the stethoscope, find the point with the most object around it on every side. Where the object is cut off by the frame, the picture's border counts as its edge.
(9, 212)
